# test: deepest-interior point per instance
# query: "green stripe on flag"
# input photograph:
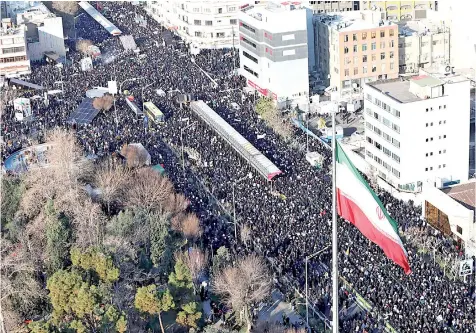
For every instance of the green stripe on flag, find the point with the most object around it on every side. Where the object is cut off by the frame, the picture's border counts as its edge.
(341, 157)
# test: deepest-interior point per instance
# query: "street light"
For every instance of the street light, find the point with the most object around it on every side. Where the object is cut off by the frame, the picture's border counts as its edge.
(126, 80)
(142, 95)
(181, 143)
(307, 291)
(248, 176)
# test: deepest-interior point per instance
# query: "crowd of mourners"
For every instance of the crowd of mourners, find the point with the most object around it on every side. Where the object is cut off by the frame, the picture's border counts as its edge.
(289, 218)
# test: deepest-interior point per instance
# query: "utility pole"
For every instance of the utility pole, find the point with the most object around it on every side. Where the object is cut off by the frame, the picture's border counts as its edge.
(233, 41)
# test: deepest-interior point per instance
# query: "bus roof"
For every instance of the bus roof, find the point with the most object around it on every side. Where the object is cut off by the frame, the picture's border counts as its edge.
(153, 109)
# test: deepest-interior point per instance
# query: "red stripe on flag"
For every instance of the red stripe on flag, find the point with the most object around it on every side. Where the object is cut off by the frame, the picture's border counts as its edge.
(348, 210)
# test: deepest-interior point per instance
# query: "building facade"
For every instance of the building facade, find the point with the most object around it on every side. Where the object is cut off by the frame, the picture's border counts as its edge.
(400, 10)
(276, 58)
(451, 210)
(354, 48)
(13, 50)
(205, 23)
(423, 44)
(44, 32)
(459, 16)
(321, 7)
(417, 130)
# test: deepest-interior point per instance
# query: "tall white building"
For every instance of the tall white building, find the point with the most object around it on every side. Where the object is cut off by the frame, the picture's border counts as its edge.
(205, 23)
(277, 49)
(13, 50)
(44, 32)
(417, 130)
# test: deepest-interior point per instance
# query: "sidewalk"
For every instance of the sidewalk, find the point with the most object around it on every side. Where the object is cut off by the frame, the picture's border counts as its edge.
(272, 313)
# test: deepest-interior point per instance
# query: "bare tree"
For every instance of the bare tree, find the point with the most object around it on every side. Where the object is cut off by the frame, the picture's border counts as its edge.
(149, 190)
(108, 102)
(176, 204)
(83, 45)
(196, 260)
(67, 7)
(103, 103)
(190, 227)
(18, 284)
(245, 234)
(111, 178)
(135, 155)
(90, 222)
(65, 158)
(98, 103)
(241, 285)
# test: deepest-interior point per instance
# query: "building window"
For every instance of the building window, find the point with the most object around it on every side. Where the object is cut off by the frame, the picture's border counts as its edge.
(355, 48)
(246, 41)
(364, 58)
(196, 10)
(249, 56)
(373, 34)
(220, 10)
(249, 70)
(233, 21)
(373, 46)
(346, 72)
(354, 37)
(364, 47)
(197, 22)
(289, 52)
(382, 45)
(382, 34)
(347, 60)
(209, 23)
(382, 55)
(356, 71)
(346, 38)
(374, 57)
(374, 69)
(426, 169)
(392, 65)
(391, 32)
(391, 43)
(364, 69)
(391, 55)
(364, 35)
(346, 50)
(247, 27)
(198, 34)
(459, 230)
(288, 37)
(231, 9)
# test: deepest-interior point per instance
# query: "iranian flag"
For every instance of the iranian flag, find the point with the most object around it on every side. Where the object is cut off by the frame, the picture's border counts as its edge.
(358, 204)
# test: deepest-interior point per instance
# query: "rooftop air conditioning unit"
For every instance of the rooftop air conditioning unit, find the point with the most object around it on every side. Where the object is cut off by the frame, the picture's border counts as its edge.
(446, 69)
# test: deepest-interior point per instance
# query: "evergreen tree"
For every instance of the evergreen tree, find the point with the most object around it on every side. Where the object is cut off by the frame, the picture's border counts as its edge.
(149, 300)
(58, 234)
(180, 282)
(189, 316)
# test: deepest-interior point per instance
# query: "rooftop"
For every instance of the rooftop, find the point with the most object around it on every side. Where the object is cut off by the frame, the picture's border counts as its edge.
(421, 28)
(353, 20)
(463, 193)
(426, 81)
(396, 89)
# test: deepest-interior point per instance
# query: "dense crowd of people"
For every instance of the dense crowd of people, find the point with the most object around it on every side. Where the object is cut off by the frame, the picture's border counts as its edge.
(284, 228)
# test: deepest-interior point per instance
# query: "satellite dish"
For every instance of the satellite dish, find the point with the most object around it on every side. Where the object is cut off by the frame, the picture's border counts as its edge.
(447, 69)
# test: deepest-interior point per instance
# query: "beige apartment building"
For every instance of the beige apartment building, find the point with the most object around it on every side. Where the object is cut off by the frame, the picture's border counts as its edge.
(423, 44)
(400, 10)
(354, 48)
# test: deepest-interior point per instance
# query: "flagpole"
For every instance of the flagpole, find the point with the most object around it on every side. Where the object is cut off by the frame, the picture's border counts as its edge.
(335, 281)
